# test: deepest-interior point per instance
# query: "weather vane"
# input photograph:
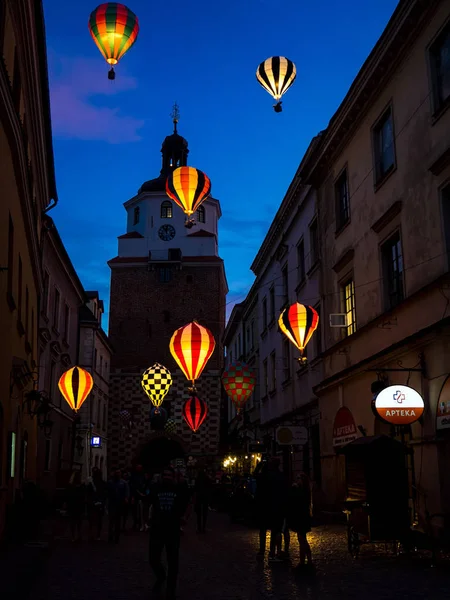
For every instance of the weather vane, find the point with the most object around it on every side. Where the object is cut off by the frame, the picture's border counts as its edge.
(175, 114)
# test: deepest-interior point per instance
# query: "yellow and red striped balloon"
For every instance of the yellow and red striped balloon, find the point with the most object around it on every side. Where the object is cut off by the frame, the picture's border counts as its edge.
(298, 322)
(192, 346)
(75, 385)
(188, 187)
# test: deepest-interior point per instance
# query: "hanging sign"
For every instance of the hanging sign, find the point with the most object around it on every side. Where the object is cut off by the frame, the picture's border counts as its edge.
(96, 441)
(344, 428)
(295, 435)
(399, 405)
(443, 407)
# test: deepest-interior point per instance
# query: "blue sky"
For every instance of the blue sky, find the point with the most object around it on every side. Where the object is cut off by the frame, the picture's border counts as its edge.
(203, 55)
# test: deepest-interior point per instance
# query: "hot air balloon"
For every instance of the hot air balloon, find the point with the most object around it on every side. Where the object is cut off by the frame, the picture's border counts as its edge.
(276, 75)
(239, 381)
(298, 323)
(75, 385)
(170, 426)
(191, 346)
(188, 187)
(156, 382)
(195, 412)
(114, 28)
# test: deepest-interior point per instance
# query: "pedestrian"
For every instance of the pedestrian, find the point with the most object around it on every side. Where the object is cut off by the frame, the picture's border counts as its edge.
(76, 503)
(299, 516)
(118, 496)
(96, 495)
(135, 499)
(170, 504)
(202, 490)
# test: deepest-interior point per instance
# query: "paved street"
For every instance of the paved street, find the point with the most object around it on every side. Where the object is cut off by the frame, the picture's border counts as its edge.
(222, 565)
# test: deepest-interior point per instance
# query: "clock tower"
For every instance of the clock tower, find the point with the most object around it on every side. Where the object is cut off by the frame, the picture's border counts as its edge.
(163, 277)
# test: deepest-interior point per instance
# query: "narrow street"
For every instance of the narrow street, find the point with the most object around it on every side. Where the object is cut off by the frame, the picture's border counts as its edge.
(222, 565)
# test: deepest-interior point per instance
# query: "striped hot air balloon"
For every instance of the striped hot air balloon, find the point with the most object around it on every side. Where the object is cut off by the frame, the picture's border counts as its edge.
(239, 381)
(188, 187)
(276, 75)
(156, 382)
(75, 385)
(192, 346)
(114, 28)
(195, 412)
(298, 323)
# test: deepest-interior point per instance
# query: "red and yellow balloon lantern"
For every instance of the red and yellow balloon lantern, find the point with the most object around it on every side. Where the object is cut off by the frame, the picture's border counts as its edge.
(298, 322)
(239, 381)
(114, 28)
(75, 386)
(188, 187)
(192, 346)
(195, 412)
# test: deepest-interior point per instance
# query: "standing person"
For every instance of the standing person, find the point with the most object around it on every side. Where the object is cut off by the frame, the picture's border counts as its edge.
(299, 516)
(202, 490)
(76, 502)
(170, 509)
(118, 495)
(135, 498)
(96, 495)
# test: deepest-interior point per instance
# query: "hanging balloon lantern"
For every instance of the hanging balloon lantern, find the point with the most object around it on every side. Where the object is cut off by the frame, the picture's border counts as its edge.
(195, 412)
(192, 346)
(114, 28)
(156, 382)
(298, 323)
(239, 381)
(276, 75)
(170, 426)
(188, 187)
(75, 386)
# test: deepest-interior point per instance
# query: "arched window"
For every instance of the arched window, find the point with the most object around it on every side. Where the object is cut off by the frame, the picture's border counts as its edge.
(137, 212)
(201, 214)
(166, 209)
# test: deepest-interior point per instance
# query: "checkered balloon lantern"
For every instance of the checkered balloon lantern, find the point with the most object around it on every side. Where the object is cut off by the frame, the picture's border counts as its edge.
(170, 426)
(158, 418)
(239, 381)
(195, 412)
(125, 419)
(156, 381)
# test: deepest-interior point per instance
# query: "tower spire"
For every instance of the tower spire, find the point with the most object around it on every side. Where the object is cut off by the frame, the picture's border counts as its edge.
(175, 114)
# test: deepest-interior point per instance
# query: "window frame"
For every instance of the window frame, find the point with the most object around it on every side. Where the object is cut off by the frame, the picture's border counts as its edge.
(438, 107)
(66, 322)
(285, 282)
(380, 177)
(165, 275)
(341, 221)
(344, 283)
(56, 308)
(201, 214)
(136, 215)
(272, 308)
(385, 262)
(264, 313)
(444, 197)
(166, 208)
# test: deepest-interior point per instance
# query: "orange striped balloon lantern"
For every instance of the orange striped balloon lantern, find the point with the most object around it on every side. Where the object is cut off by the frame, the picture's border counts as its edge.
(189, 188)
(75, 385)
(195, 412)
(192, 346)
(298, 322)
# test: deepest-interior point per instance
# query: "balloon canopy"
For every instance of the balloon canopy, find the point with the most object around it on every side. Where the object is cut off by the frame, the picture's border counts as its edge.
(188, 187)
(239, 381)
(276, 75)
(298, 322)
(156, 382)
(192, 346)
(75, 386)
(195, 412)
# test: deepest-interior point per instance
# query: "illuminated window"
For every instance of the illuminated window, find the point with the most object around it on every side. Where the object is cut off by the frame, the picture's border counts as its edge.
(348, 300)
(201, 214)
(166, 209)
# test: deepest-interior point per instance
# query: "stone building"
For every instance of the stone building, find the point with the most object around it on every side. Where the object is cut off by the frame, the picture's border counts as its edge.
(164, 276)
(28, 190)
(382, 171)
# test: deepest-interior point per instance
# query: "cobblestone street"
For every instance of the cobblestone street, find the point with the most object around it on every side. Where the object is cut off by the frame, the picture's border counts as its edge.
(222, 565)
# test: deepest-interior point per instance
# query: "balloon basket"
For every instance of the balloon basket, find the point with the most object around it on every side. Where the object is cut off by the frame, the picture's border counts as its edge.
(189, 223)
(111, 74)
(302, 360)
(277, 107)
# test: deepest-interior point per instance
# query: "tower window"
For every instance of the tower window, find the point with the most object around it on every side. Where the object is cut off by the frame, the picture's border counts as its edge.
(137, 212)
(165, 274)
(166, 209)
(201, 214)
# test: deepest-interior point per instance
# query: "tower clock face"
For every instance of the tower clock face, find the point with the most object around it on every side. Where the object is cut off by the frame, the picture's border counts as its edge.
(166, 232)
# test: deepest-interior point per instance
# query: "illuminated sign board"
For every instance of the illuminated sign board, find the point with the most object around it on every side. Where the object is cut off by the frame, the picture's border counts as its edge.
(96, 442)
(399, 405)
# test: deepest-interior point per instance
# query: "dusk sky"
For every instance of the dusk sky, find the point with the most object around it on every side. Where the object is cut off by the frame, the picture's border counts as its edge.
(203, 55)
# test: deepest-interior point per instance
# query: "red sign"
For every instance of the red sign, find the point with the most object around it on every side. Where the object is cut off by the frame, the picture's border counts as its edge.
(344, 428)
(443, 407)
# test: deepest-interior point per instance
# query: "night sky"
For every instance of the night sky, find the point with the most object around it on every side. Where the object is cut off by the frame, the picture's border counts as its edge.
(203, 55)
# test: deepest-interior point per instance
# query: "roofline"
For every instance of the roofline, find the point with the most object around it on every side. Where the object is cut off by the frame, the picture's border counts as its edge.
(233, 322)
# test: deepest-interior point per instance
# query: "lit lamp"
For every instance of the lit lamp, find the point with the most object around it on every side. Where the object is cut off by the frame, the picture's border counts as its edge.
(298, 322)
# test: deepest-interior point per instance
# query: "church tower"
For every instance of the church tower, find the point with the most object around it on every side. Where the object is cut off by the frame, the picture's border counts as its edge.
(163, 277)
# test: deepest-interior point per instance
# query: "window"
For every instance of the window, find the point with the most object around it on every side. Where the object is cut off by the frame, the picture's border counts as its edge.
(56, 309)
(313, 243)
(393, 271)
(44, 307)
(165, 275)
(265, 378)
(342, 200)
(273, 372)
(10, 256)
(301, 261)
(136, 215)
(19, 295)
(106, 369)
(201, 214)
(287, 359)
(166, 209)
(272, 303)
(66, 322)
(12, 454)
(440, 69)
(285, 280)
(383, 146)
(348, 301)
(264, 315)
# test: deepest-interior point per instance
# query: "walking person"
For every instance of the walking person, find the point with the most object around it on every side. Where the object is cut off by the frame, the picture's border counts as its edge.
(118, 495)
(170, 509)
(76, 503)
(96, 495)
(299, 517)
(203, 485)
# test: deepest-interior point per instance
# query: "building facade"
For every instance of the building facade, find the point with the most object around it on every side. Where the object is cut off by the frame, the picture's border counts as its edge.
(165, 276)
(382, 171)
(28, 189)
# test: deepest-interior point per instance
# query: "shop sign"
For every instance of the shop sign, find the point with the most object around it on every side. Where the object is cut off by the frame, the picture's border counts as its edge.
(96, 442)
(399, 405)
(344, 429)
(297, 436)
(443, 407)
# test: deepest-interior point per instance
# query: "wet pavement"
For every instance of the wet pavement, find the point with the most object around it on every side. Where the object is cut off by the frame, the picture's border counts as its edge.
(222, 565)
